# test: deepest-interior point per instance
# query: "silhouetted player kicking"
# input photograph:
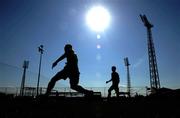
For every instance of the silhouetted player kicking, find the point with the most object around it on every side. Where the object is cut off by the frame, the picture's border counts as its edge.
(115, 82)
(70, 71)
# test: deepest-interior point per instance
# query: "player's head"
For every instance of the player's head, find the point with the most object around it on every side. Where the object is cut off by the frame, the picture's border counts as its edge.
(68, 47)
(113, 68)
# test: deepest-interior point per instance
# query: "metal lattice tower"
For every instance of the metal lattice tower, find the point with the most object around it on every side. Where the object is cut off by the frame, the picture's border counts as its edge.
(25, 66)
(128, 76)
(154, 75)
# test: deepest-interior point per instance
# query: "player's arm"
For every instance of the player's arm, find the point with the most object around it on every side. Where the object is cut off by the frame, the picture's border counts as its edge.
(108, 81)
(59, 59)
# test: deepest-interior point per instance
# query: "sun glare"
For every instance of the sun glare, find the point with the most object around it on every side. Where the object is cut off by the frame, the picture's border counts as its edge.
(98, 18)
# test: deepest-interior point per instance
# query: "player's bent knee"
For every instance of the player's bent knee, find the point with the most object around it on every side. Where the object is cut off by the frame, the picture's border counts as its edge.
(53, 80)
(73, 86)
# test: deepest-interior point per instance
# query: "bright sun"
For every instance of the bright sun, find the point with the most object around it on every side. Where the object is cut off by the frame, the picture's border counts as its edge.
(98, 18)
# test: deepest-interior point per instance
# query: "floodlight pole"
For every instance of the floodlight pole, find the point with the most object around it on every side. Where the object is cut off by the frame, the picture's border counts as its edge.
(153, 68)
(25, 66)
(40, 49)
(128, 76)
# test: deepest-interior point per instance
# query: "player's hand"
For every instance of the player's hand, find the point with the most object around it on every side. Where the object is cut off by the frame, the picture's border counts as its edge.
(54, 64)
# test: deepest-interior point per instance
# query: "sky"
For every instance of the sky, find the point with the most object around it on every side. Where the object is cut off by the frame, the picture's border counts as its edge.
(27, 24)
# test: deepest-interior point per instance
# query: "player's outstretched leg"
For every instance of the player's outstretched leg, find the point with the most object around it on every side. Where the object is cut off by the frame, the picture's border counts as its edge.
(50, 86)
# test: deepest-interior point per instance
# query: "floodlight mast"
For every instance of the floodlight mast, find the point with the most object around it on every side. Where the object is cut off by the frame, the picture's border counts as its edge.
(25, 66)
(126, 61)
(40, 49)
(154, 75)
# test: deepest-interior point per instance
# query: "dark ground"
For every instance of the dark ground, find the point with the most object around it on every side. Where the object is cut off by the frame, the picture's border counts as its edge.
(154, 106)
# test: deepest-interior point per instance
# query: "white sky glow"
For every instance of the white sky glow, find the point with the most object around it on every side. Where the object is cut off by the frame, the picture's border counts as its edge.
(98, 18)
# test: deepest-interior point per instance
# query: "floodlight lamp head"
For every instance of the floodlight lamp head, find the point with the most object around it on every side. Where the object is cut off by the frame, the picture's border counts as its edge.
(145, 21)
(40, 48)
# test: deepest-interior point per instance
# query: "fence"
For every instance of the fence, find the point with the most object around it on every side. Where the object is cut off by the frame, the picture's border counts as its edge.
(11, 76)
(31, 91)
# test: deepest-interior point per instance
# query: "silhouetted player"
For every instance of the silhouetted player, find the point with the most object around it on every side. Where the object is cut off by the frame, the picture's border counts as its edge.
(115, 82)
(70, 71)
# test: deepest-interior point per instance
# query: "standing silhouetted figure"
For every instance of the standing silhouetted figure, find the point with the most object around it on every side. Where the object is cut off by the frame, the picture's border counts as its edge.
(115, 82)
(70, 71)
